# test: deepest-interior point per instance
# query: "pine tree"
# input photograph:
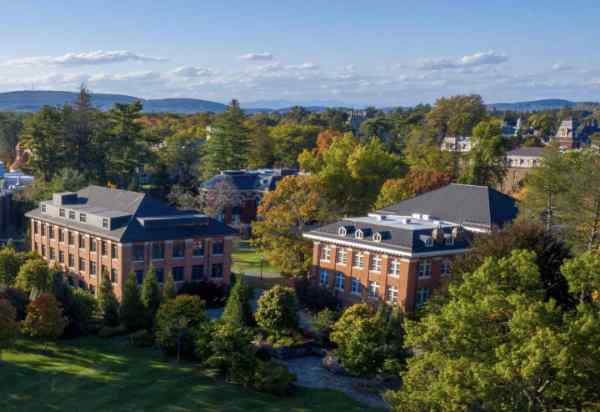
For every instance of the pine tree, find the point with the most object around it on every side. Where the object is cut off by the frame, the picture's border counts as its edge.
(169, 289)
(237, 310)
(107, 302)
(151, 294)
(132, 311)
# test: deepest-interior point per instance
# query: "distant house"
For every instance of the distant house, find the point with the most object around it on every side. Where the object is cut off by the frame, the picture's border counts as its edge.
(355, 119)
(459, 144)
(402, 253)
(572, 135)
(249, 186)
(519, 163)
(511, 130)
(100, 231)
(15, 181)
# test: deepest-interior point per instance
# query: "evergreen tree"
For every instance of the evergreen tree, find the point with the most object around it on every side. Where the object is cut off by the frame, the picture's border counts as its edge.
(237, 310)
(132, 311)
(108, 304)
(151, 294)
(228, 145)
(169, 290)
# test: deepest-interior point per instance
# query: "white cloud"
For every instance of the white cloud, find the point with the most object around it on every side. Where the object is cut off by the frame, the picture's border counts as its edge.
(97, 57)
(562, 67)
(256, 56)
(192, 71)
(488, 58)
(303, 66)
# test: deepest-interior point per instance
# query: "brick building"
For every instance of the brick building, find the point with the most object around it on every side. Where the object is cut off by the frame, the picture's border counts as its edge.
(400, 254)
(99, 230)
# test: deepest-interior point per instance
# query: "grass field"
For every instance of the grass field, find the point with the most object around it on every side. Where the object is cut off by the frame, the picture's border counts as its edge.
(94, 374)
(246, 259)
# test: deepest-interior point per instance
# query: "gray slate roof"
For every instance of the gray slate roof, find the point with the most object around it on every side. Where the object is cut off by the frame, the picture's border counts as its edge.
(262, 180)
(113, 202)
(526, 152)
(477, 206)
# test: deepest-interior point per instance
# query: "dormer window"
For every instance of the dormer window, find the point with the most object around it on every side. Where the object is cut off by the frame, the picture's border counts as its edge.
(427, 240)
(105, 223)
(82, 217)
(359, 234)
(72, 214)
(377, 237)
(342, 231)
(448, 240)
(43, 207)
(61, 212)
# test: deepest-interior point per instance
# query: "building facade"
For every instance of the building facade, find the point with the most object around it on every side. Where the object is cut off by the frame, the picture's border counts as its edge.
(519, 162)
(401, 254)
(99, 231)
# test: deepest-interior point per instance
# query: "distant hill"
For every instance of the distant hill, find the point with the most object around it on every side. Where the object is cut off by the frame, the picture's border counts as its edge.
(536, 105)
(31, 101)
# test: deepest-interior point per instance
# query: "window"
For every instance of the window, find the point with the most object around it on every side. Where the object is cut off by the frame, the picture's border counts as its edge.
(428, 242)
(197, 272)
(422, 296)
(61, 256)
(424, 269)
(44, 250)
(178, 249)
(339, 281)
(139, 276)
(138, 253)
(72, 214)
(52, 254)
(61, 235)
(178, 274)
(198, 249)
(92, 245)
(71, 260)
(113, 251)
(358, 260)
(43, 207)
(81, 241)
(448, 240)
(158, 250)
(392, 295)
(50, 232)
(160, 275)
(356, 286)
(445, 268)
(103, 248)
(324, 278)
(394, 267)
(71, 238)
(326, 253)
(217, 247)
(93, 268)
(341, 257)
(375, 264)
(217, 270)
(35, 228)
(359, 234)
(113, 275)
(61, 212)
(82, 264)
(82, 217)
(105, 223)
(43, 226)
(373, 289)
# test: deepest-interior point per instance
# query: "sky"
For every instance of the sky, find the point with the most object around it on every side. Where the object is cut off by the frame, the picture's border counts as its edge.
(382, 53)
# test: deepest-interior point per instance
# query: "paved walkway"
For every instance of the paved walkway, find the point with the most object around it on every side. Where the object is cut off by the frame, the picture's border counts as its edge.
(311, 374)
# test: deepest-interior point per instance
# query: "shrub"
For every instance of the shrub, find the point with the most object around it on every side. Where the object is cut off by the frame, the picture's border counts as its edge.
(277, 311)
(238, 311)
(176, 322)
(8, 325)
(45, 318)
(111, 331)
(143, 338)
(169, 290)
(323, 323)
(150, 295)
(314, 297)
(9, 266)
(79, 307)
(360, 336)
(18, 299)
(108, 305)
(34, 277)
(132, 312)
(203, 340)
(273, 378)
(212, 293)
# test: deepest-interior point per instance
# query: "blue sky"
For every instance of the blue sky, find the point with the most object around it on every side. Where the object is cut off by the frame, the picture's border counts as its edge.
(354, 51)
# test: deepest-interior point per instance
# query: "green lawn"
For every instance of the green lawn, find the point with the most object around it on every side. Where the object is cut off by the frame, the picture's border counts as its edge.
(247, 259)
(94, 374)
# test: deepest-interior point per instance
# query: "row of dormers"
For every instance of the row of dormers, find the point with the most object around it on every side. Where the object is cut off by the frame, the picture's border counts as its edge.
(361, 234)
(437, 235)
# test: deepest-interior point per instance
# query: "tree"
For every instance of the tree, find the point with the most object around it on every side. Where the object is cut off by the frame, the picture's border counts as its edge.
(414, 183)
(108, 304)
(359, 336)
(456, 115)
(222, 195)
(132, 312)
(169, 289)
(44, 319)
(285, 212)
(8, 325)
(11, 125)
(10, 264)
(237, 310)
(289, 140)
(228, 145)
(277, 311)
(176, 321)
(498, 345)
(180, 155)
(151, 296)
(34, 277)
(485, 163)
(261, 153)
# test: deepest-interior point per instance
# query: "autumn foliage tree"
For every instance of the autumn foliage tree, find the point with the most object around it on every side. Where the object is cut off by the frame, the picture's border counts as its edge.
(414, 183)
(45, 318)
(284, 214)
